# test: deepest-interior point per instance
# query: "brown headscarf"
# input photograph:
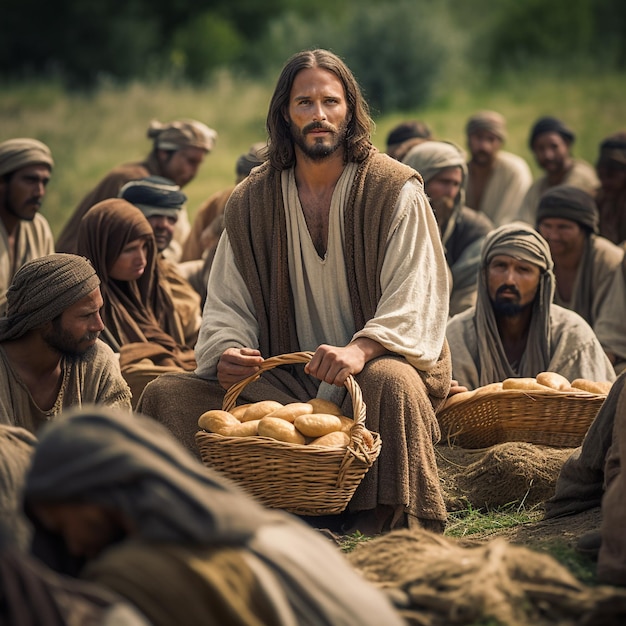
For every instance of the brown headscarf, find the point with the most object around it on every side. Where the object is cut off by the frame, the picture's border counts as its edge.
(134, 311)
(487, 120)
(18, 153)
(522, 242)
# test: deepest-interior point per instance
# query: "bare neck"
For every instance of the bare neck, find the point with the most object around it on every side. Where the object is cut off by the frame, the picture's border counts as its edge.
(317, 177)
(513, 332)
(32, 354)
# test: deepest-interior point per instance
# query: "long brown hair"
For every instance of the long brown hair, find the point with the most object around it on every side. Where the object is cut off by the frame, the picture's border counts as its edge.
(358, 143)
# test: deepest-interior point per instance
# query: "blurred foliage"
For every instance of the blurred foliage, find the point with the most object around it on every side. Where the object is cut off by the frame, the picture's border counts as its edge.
(402, 51)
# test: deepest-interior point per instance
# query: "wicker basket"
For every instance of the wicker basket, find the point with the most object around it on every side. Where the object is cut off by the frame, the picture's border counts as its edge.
(301, 479)
(551, 418)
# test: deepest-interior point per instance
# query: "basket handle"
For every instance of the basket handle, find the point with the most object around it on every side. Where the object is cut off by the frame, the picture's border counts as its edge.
(351, 385)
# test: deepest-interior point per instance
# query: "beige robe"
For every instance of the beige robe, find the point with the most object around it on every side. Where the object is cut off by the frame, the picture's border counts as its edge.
(96, 380)
(574, 349)
(610, 326)
(505, 189)
(34, 240)
(581, 175)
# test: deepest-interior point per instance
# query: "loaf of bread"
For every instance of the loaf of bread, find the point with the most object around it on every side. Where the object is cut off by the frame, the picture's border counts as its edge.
(337, 439)
(324, 406)
(523, 384)
(554, 381)
(258, 410)
(317, 424)
(217, 421)
(599, 387)
(292, 410)
(280, 429)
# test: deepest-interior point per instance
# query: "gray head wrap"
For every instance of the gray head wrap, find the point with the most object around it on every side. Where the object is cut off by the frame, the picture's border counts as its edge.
(487, 120)
(429, 158)
(181, 134)
(154, 195)
(522, 242)
(18, 153)
(569, 203)
(42, 289)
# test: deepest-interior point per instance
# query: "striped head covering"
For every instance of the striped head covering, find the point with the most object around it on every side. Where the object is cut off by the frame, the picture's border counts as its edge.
(154, 195)
(42, 289)
(487, 120)
(181, 134)
(522, 242)
(18, 153)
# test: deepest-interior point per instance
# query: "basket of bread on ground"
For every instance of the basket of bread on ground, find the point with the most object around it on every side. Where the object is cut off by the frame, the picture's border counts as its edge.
(304, 457)
(546, 410)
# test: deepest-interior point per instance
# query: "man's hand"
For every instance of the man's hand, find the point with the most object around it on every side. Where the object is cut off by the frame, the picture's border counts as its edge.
(235, 364)
(456, 388)
(334, 364)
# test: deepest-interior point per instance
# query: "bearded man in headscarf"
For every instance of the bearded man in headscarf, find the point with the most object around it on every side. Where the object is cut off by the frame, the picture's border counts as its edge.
(141, 516)
(51, 358)
(442, 166)
(497, 180)
(515, 329)
(178, 150)
(25, 168)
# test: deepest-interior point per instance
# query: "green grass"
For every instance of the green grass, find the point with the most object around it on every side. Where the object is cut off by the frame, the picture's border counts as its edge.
(90, 134)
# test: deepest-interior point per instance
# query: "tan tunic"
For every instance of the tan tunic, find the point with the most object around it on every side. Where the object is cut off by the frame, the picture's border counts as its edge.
(610, 326)
(34, 239)
(581, 175)
(96, 380)
(574, 350)
(505, 189)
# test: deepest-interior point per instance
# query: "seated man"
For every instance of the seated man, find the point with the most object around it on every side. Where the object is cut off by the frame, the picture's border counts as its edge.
(175, 539)
(584, 262)
(442, 166)
(50, 355)
(161, 201)
(178, 150)
(497, 180)
(551, 142)
(330, 247)
(611, 198)
(25, 167)
(515, 329)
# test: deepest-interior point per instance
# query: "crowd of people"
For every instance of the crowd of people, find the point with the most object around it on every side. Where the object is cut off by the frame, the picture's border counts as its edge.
(422, 272)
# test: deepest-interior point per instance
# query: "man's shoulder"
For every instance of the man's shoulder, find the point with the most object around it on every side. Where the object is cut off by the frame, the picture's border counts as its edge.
(475, 221)
(511, 162)
(610, 252)
(565, 321)
(101, 357)
(583, 175)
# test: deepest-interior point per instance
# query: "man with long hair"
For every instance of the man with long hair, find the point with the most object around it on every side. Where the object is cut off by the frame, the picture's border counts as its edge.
(331, 247)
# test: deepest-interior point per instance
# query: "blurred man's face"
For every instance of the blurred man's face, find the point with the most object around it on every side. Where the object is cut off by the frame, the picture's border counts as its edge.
(483, 146)
(551, 152)
(442, 190)
(512, 284)
(163, 227)
(613, 179)
(563, 236)
(183, 165)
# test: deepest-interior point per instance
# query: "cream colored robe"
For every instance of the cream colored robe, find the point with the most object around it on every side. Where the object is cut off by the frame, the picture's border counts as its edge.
(582, 175)
(505, 189)
(229, 319)
(575, 352)
(34, 240)
(96, 380)
(610, 326)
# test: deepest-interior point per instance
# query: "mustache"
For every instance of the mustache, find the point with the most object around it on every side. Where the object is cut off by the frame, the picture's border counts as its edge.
(508, 289)
(91, 336)
(318, 126)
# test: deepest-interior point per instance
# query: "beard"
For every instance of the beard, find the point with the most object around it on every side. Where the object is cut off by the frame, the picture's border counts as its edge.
(319, 150)
(64, 342)
(443, 208)
(506, 307)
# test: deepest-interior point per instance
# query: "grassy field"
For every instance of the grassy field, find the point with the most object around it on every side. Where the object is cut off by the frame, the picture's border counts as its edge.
(90, 134)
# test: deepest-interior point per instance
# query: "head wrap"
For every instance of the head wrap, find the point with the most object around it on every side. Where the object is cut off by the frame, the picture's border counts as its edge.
(487, 120)
(569, 203)
(18, 153)
(255, 156)
(551, 125)
(181, 134)
(42, 289)
(522, 242)
(154, 195)
(613, 151)
(429, 158)
(408, 130)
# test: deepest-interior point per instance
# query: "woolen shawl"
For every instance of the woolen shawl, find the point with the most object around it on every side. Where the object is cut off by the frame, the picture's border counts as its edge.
(134, 311)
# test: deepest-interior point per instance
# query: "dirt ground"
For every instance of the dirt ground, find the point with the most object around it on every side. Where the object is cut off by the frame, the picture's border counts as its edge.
(453, 462)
